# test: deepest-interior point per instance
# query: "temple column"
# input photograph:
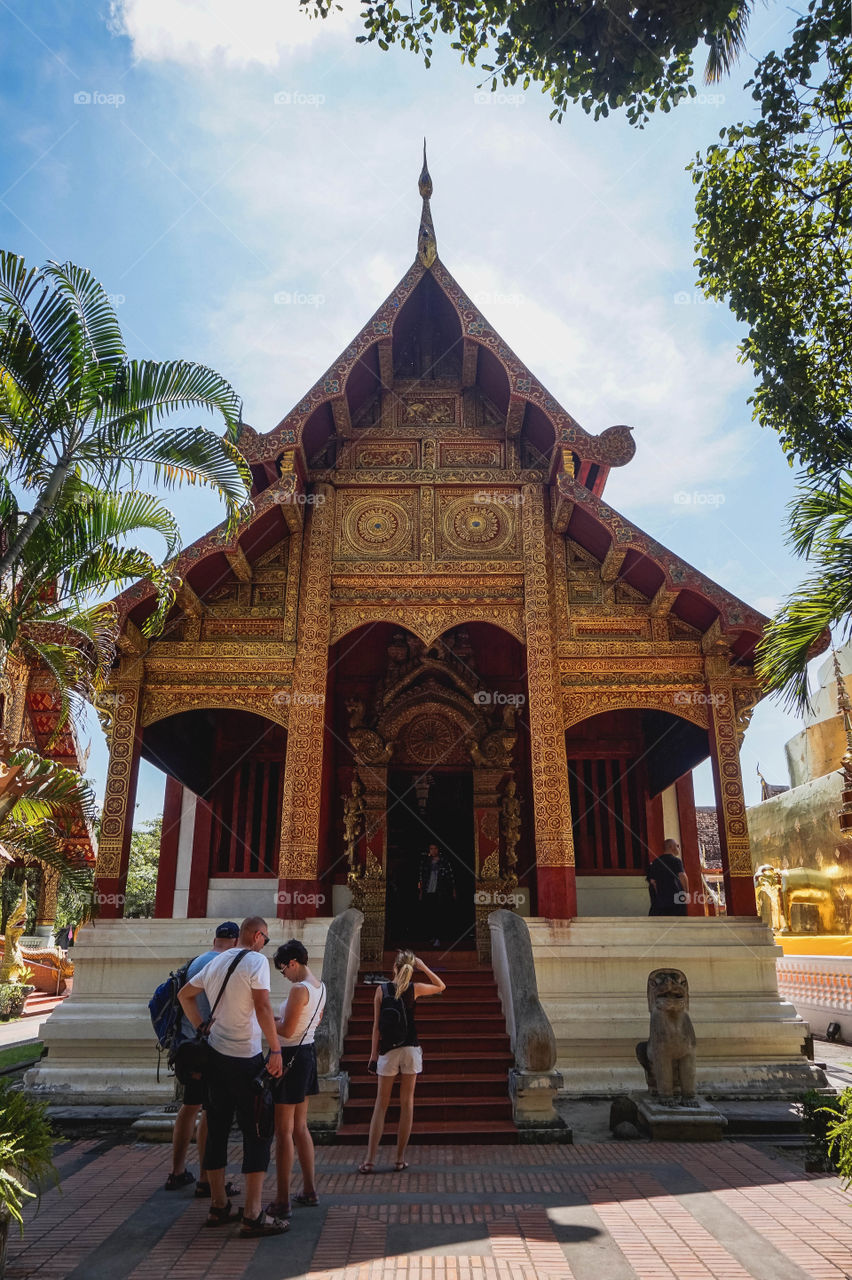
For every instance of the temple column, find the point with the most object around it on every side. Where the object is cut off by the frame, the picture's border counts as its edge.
(120, 793)
(554, 842)
(48, 901)
(689, 852)
(301, 806)
(370, 894)
(486, 829)
(728, 785)
(169, 843)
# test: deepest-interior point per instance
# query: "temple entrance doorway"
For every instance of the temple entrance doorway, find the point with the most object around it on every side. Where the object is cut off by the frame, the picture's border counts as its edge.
(427, 808)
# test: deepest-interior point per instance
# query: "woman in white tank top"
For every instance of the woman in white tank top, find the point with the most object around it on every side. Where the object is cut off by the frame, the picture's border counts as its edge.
(297, 1021)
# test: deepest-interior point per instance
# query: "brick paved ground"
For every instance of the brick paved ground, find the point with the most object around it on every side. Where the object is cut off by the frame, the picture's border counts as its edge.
(601, 1211)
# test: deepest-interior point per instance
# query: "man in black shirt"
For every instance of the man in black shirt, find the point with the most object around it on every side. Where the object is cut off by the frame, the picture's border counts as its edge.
(667, 882)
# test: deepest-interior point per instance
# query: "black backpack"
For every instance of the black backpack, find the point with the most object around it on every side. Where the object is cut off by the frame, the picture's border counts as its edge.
(393, 1020)
(167, 1014)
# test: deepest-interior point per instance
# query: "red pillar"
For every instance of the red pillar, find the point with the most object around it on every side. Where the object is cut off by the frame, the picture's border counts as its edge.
(199, 871)
(557, 892)
(164, 904)
(685, 793)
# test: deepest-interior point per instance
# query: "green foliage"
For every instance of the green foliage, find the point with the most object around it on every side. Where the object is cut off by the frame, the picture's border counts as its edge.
(26, 1150)
(12, 997)
(820, 530)
(839, 1135)
(774, 237)
(81, 424)
(819, 1113)
(601, 54)
(142, 869)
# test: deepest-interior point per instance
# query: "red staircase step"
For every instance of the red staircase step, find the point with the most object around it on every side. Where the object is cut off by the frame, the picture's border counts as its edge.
(474, 1131)
(462, 1095)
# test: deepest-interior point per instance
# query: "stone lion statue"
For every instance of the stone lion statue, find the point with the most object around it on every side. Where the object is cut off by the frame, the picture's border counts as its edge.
(668, 1055)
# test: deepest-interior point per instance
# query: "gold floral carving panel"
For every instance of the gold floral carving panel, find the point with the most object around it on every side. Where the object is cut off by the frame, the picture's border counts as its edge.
(393, 454)
(159, 702)
(115, 819)
(580, 704)
(730, 797)
(427, 621)
(479, 453)
(551, 798)
(300, 810)
(469, 524)
(416, 409)
(377, 523)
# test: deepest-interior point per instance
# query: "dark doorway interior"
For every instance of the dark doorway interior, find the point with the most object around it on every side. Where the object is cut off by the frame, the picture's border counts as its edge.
(442, 814)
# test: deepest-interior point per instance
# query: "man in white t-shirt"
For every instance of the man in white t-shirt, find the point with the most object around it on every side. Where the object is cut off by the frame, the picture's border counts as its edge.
(236, 1058)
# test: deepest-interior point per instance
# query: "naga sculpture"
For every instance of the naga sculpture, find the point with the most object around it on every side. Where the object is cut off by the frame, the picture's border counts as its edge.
(668, 1055)
(13, 967)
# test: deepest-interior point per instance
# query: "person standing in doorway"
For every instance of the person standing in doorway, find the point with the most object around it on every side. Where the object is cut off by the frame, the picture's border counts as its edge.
(389, 1060)
(667, 882)
(437, 893)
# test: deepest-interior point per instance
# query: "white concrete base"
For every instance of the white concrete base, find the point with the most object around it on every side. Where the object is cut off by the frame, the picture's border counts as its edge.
(102, 1047)
(612, 896)
(592, 976)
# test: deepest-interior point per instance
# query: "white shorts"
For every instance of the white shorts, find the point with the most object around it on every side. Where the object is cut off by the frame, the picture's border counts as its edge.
(407, 1060)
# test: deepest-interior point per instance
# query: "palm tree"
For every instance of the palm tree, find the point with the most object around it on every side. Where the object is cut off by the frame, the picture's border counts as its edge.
(75, 409)
(727, 44)
(820, 529)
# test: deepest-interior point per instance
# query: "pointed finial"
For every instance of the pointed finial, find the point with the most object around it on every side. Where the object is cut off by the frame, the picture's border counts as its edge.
(844, 709)
(427, 245)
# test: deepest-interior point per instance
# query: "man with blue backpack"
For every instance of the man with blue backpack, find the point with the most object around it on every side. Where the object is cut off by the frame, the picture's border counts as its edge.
(225, 939)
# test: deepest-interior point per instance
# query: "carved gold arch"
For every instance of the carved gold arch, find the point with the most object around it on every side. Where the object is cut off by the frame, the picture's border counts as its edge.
(428, 622)
(271, 704)
(436, 709)
(578, 706)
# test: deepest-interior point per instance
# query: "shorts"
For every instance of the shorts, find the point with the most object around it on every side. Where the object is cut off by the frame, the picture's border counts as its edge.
(300, 1082)
(195, 1092)
(407, 1060)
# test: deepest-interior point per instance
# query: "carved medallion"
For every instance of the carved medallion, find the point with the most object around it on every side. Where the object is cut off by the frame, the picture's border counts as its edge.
(430, 739)
(467, 526)
(376, 525)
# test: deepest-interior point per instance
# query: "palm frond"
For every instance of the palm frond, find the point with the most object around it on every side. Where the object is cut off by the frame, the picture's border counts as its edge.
(727, 45)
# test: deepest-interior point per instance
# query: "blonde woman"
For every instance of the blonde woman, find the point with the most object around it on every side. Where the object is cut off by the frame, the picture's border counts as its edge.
(297, 1020)
(395, 1050)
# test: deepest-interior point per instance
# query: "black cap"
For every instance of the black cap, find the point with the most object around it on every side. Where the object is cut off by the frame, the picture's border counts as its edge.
(228, 930)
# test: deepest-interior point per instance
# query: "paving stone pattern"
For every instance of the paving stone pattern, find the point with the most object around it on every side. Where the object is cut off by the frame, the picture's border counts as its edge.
(601, 1211)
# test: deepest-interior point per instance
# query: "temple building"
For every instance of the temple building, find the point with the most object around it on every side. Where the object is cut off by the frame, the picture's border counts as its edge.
(433, 628)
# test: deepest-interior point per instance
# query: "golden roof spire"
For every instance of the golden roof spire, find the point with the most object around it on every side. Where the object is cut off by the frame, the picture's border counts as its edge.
(427, 245)
(844, 708)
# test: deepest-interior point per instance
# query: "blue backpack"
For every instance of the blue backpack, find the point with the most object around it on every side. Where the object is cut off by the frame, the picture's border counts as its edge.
(167, 1014)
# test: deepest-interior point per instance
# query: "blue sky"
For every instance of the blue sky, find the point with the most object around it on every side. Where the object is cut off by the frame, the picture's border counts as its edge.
(202, 157)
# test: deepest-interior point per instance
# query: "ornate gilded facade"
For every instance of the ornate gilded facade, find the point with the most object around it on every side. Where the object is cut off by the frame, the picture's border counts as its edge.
(431, 620)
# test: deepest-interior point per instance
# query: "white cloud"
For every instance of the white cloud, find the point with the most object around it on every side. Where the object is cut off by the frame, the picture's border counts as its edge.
(196, 32)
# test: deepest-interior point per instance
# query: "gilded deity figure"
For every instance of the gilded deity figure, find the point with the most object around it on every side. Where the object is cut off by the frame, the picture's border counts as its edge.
(511, 823)
(354, 810)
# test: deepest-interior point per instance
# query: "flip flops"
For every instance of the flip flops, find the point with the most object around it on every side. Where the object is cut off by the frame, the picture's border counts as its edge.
(367, 1167)
(400, 1165)
(262, 1226)
(307, 1198)
(278, 1209)
(176, 1181)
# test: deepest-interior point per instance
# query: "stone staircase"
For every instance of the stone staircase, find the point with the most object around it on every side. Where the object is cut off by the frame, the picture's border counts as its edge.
(462, 1094)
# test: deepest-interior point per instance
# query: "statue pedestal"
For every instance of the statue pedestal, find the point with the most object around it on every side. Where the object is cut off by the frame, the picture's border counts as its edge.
(702, 1123)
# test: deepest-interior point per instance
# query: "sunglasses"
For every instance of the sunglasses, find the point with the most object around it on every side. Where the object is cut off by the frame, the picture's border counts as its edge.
(263, 935)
